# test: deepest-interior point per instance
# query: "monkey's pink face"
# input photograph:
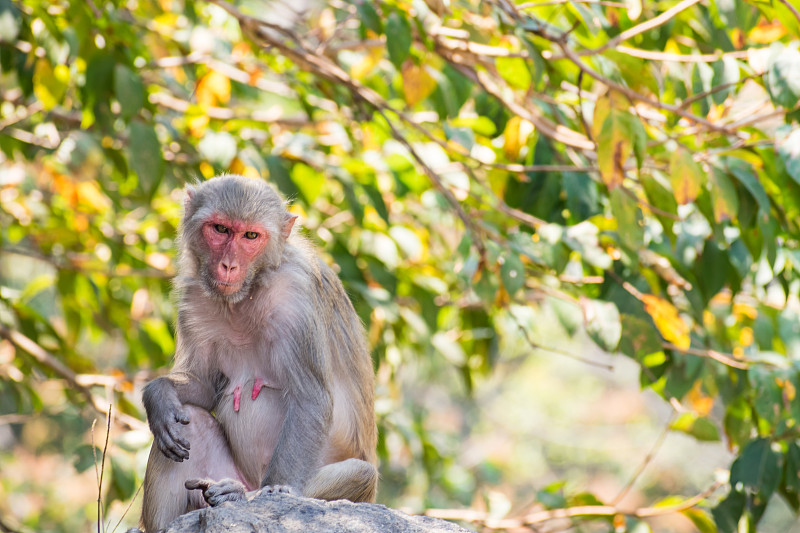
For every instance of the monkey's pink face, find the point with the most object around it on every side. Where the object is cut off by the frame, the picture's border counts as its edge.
(234, 245)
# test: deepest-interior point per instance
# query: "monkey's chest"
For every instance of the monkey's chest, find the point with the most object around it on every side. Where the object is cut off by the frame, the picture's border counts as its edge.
(251, 415)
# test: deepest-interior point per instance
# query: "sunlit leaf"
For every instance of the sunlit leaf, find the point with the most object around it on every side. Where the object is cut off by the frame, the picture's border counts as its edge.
(213, 89)
(418, 84)
(50, 83)
(724, 198)
(686, 176)
(783, 75)
(514, 70)
(602, 323)
(667, 320)
(789, 150)
(700, 428)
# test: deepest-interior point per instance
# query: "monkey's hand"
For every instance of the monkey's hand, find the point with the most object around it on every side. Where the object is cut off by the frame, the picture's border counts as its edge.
(218, 492)
(166, 423)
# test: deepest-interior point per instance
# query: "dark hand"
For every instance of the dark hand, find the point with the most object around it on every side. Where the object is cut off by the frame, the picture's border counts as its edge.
(218, 492)
(167, 417)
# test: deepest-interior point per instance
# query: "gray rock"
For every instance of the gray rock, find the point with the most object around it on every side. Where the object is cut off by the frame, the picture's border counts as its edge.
(285, 513)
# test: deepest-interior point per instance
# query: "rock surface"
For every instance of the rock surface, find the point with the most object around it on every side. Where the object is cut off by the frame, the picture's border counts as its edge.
(284, 513)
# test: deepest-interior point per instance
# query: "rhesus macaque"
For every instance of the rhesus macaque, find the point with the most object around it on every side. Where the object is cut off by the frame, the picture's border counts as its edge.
(272, 385)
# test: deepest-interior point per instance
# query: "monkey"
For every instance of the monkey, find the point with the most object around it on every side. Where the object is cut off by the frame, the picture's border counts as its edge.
(272, 384)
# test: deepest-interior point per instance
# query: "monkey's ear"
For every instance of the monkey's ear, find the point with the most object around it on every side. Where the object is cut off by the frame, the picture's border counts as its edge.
(187, 201)
(288, 222)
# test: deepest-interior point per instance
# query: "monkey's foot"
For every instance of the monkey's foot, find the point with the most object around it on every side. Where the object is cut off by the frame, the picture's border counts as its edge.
(278, 489)
(218, 492)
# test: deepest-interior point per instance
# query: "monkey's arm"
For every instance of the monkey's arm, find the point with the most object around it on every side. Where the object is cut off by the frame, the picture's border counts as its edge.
(309, 406)
(164, 399)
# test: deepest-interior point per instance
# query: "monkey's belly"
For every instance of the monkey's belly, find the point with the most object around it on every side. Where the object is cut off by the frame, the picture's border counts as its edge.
(252, 428)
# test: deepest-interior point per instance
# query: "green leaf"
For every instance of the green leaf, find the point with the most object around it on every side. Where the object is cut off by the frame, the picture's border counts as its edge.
(789, 150)
(743, 172)
(700, 428)
(728, 512)
(757, 468)
(398, 38)
(640, 338)
(514, 70)
(726, 71)
(701, 519)
(512, 272)
(129, 90)
(630, 221)
(783, 76)
(791, 468)
(369, 17)
(308, 181)
(144, 154)
(602, 323)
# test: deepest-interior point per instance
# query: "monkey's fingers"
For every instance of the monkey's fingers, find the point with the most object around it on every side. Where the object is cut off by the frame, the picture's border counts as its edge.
(226, 490)
(178, 439)
(171, 451)
(197, 483)
(182, 417)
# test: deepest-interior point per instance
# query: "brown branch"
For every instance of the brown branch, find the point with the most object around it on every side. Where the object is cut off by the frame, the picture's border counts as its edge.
(653, 55)
(482, 517)
(646, 461)
(791, 8)
(648, 25)
(633, 95)
(48, 360)
(329, 70)
(724, 358)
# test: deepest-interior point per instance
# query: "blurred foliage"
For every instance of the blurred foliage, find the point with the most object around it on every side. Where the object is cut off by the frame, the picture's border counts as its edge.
(631, 167)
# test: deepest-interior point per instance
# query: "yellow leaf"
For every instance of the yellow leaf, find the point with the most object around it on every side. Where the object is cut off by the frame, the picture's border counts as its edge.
(746, 336)
(686, 176)
(516, 136)
(767, 32)
(213, 89)
(197, 125)
(667, 320)
(90, 194)
(701, 404)
(741, 311)
(361, 69)
(417, 83)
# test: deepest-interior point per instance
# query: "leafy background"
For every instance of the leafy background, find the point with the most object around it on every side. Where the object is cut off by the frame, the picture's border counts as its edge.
(570, 228)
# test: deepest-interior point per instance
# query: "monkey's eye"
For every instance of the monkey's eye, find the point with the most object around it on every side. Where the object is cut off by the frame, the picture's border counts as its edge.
(250, 235)
(220, 228)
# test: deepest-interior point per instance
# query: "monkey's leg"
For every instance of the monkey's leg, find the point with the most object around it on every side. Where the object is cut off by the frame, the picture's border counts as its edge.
(352, 479)
(165, 497)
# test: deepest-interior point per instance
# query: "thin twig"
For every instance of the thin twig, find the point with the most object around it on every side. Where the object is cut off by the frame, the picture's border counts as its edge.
(725, 359)
(647, 459)
(791, 8)
(50, 361)
(100, 525)
(648, 25)
(128, 508)
(537, 517)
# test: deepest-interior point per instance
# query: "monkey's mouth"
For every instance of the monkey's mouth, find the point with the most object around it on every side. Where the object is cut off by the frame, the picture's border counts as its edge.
(227, 288)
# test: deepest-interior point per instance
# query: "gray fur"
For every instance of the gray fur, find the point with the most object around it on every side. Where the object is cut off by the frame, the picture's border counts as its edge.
(290, 325)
